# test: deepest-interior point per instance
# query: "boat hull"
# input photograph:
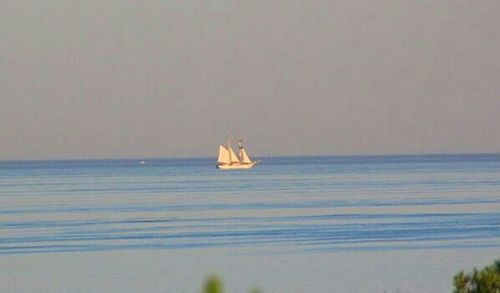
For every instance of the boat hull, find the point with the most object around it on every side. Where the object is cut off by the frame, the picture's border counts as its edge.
(235, 166)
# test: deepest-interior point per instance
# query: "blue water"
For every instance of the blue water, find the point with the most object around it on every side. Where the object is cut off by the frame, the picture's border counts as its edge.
(288, 225)
(284, 205)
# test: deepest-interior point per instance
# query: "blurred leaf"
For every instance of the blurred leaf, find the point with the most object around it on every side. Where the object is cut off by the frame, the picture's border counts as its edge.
(213, 285)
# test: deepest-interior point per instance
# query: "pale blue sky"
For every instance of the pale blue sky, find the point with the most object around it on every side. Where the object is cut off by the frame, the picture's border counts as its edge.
(113, 79)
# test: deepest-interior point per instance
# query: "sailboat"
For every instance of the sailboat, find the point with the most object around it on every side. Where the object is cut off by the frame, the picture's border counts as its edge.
(228, 160)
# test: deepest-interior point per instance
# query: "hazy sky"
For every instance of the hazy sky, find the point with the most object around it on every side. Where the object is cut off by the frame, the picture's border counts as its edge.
(109, 79)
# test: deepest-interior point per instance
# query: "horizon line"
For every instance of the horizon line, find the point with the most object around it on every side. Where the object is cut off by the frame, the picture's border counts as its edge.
(263, 156)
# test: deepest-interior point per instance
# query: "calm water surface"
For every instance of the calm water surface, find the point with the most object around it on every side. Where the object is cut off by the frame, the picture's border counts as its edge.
(303, 214)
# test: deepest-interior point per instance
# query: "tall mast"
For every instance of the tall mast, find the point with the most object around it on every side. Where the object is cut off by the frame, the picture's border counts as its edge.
(229, 148)
(240, 147)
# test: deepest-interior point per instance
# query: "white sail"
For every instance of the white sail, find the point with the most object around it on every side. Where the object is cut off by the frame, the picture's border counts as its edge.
(233, 157)
(223, 155)
(244, 157)
(228, 160)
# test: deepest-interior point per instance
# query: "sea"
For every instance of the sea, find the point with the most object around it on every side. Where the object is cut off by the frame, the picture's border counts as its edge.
(399, 223)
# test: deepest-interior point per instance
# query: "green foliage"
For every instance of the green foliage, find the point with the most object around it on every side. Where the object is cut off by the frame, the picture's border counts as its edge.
(213, 285)
(486, 280)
